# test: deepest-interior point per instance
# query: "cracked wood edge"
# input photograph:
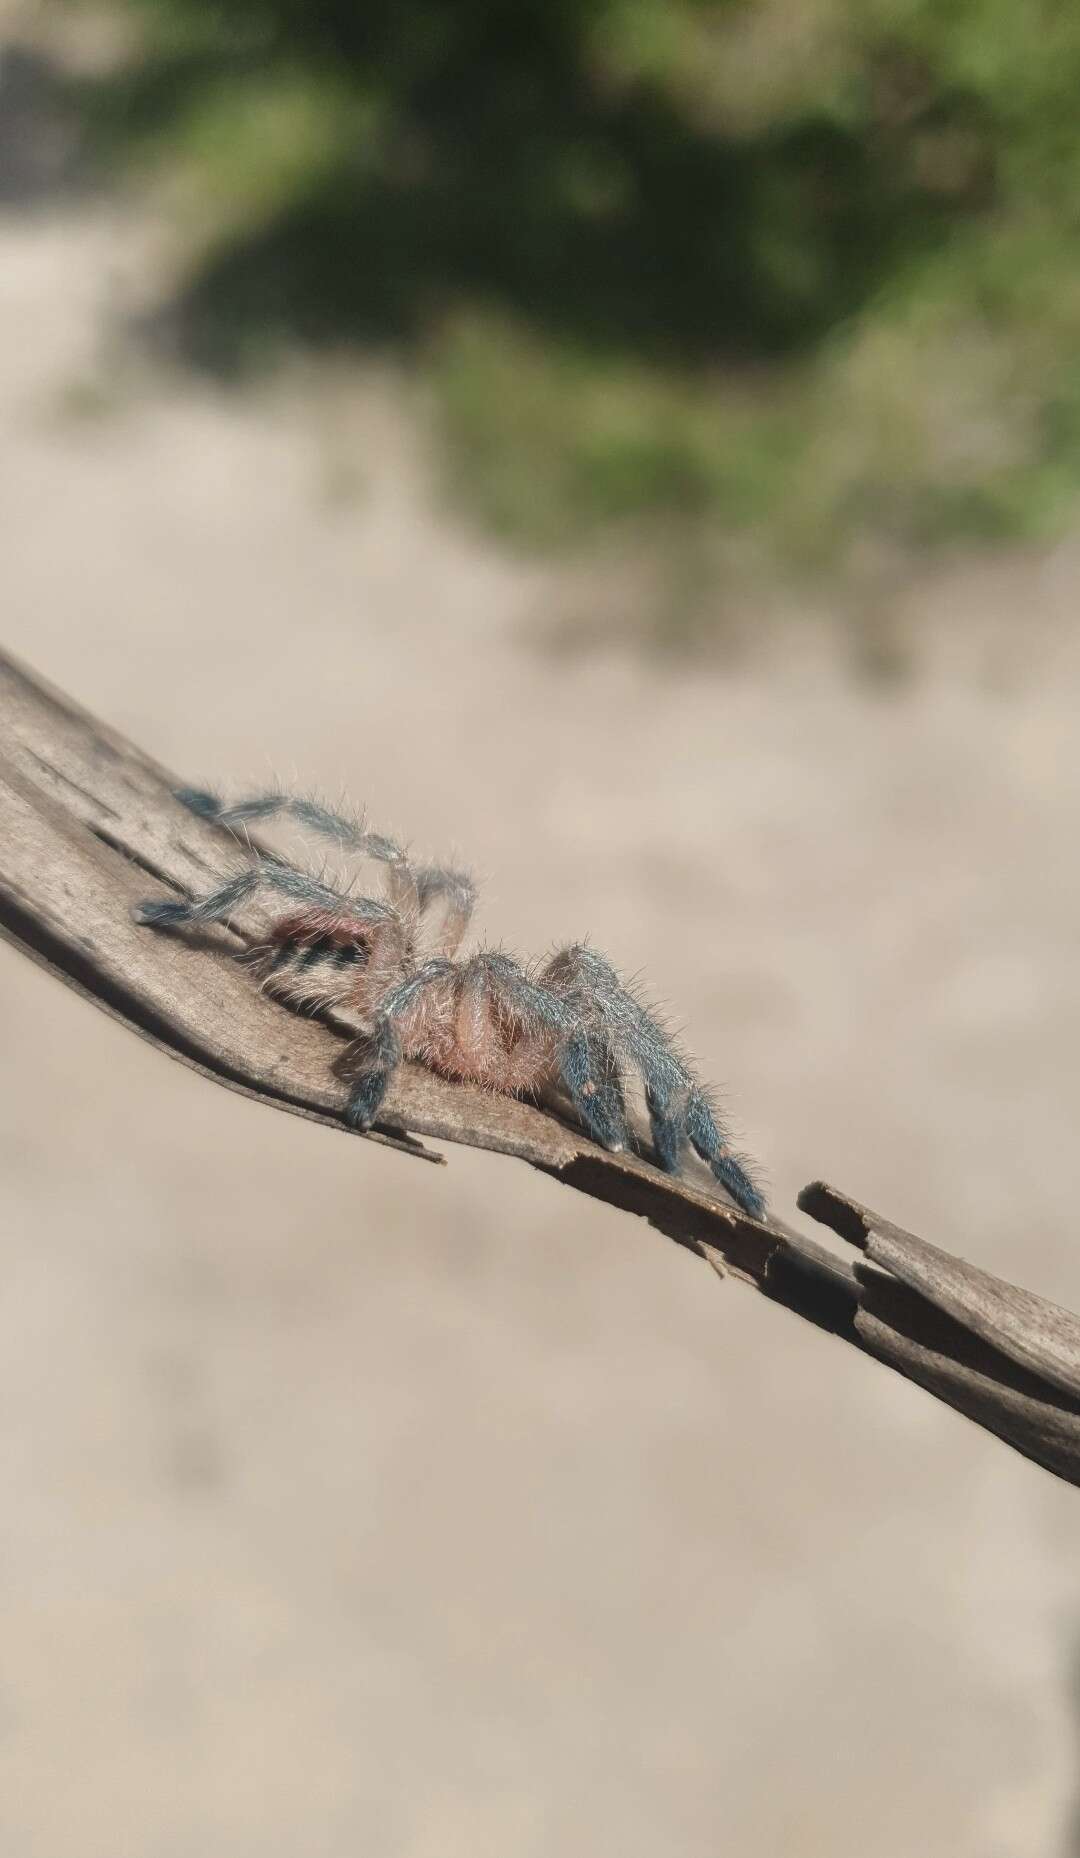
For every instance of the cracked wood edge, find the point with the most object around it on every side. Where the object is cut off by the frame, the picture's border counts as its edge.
(1008, 1359)
(1038, 1335)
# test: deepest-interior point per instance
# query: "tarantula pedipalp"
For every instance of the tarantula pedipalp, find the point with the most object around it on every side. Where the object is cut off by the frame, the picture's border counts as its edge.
(392, 963)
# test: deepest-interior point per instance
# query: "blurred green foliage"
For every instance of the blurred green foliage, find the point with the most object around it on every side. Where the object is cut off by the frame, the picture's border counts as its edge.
(805, 268)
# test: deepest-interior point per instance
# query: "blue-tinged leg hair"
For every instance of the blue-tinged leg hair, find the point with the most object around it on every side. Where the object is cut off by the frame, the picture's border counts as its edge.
(588, 1070)
(726, 1167)
(378, 1055)
(366, 1098)
(199, 800)
(667, 1133)
(349, 833)
(586, 981)
(162, 912)
(265, 873)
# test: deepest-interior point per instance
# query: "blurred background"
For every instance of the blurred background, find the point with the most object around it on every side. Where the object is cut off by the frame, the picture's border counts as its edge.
(634, 444)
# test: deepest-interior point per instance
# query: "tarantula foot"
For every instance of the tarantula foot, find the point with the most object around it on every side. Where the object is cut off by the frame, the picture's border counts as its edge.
(604, 1120)
(366, 1100)
(666, 1147)
(161, 912)
(197, 800)
(609, 1129)
(611, 1143)
(735, 1179)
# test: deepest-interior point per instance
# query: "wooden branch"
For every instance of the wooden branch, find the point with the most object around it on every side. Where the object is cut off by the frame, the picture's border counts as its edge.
(89, 825)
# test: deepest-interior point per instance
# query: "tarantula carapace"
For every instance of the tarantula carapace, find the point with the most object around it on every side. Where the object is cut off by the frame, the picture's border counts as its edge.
(392, 964)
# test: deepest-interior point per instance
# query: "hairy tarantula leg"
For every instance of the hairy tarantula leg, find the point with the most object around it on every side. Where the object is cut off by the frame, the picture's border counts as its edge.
(218, 906)
(381, 1055)
(168, 912)
(433, 883)
(349, 833)
(199, 800)
(587, 1068)
(380, 1051)
(727, 1169)
(666, 1133)
(456, 891)
(581, 972)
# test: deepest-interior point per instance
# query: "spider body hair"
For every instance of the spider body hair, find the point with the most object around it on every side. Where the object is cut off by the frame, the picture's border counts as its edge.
(391, 963)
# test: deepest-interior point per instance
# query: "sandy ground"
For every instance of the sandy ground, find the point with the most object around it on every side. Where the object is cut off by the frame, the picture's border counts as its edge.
(355, 1507)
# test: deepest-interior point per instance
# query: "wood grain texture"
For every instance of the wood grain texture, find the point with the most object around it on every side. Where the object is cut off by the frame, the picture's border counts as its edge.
(89, 826)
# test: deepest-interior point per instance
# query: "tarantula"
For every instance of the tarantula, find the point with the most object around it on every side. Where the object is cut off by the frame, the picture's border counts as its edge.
(485, 1019)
